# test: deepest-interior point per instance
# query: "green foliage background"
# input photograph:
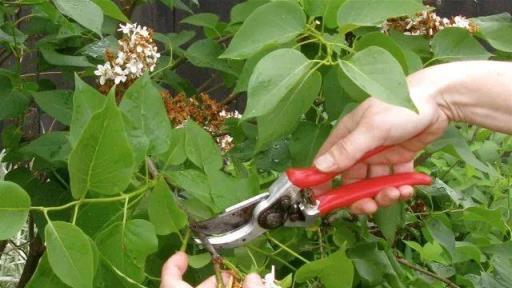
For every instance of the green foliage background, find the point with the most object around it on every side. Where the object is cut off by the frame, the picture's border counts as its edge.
(110, 196)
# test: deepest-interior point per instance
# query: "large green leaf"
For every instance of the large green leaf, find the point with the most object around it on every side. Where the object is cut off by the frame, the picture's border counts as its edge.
(205, 53)
(376, 72)
(44, 277)
(86, 102)
(496, 30)
(327, 9)
(335, 271)
(241, 11)
(273, 23)
(209, 20)
(163, 212)
(14, 206)
(14, 103)
(146, 119)
(481, 216)
(441, 234)
(194, 182)
(126, 246)
(283, 119)
(70, 254)
(200, 147)
(53, 147)
(371, 263)
(389, 219)
(354, 13)
(84, 12)
(385, 42)
(57, 103)
(226, 190)
(111, 9)
(306, 141)
(457, 44)
(175, 154)
(336, 97)
(58, 59)
(108, 276)
(456, 143)
(274, 76)
(102, 160)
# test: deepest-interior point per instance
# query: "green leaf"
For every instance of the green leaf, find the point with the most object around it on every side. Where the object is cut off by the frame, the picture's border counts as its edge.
(102, 160)
(480, 215)
(354, 13)
(457, 44)
(86, 102)
(53, 147)
(70, 254)
(85, 12)
(126, 246)
(200, 147)
(385, 42)
(199, 260)
(376, 72)
(329, 270)
(194, 182)
(336, 98)
(273, 77)
(147, 123)
(306, 141)
(503, 270)
(442, 234)
(163, 212)
(248, 68)
(489, 151)
(55, 58)
(111, 9)
(14, 102)
(202, 20)
(466, 251)
(389, 219)
(175, 154)
(226, 190)
(97, 49)
(14, 206)
(496, 29)
(44, 276)
(371, 263)
(273, 23)
(241, 11)
(205, 53)
(454, 140)
(57, 103)
(286, 115)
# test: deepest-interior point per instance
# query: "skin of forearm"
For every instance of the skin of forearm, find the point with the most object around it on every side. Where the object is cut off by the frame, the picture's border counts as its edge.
(476, 92)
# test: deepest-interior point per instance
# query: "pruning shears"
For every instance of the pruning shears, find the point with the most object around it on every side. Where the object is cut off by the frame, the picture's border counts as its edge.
(290, 202)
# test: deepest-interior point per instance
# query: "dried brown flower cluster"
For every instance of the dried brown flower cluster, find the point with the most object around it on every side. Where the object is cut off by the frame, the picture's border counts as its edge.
(202, 109)
(427, 23)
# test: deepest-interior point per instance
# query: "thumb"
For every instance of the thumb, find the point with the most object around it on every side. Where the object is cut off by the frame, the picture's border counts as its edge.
(348, 150)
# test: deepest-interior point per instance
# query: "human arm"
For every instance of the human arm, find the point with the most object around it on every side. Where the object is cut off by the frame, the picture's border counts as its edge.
(476, 92)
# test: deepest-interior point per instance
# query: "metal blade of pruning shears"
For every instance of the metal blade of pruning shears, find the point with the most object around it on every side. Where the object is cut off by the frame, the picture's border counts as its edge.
(233, 217)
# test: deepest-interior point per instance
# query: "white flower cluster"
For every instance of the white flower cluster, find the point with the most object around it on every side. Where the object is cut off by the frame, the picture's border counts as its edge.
(227, 114)
(137, 54)
(270, 279)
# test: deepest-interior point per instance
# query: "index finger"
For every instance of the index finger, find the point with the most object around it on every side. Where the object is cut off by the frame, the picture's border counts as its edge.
(173, 269)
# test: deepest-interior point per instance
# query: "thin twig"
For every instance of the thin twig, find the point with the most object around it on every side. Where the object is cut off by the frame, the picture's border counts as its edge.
(426, 272)
(216, 258)
(206, 83)
(152, 168)
(231, 97)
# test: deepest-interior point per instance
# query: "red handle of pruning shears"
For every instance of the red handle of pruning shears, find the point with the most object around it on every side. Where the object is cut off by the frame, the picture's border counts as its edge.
(345, 195)
(310, 177)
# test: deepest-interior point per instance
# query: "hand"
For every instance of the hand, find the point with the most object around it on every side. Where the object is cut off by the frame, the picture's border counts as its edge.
(375, 123)
(176, 266)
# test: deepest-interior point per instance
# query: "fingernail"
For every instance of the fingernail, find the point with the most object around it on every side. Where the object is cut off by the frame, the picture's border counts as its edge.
(325, 163)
